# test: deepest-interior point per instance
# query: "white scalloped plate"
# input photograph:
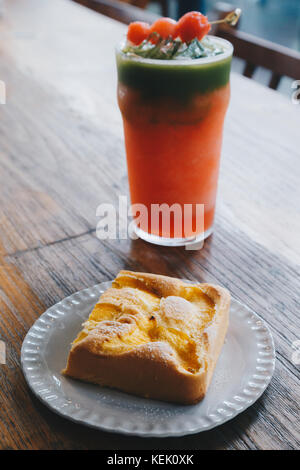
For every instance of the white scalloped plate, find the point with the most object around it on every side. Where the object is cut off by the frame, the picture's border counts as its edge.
(243, 372)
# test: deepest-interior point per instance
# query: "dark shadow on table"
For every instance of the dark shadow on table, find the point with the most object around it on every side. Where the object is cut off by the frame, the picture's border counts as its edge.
(147, 257)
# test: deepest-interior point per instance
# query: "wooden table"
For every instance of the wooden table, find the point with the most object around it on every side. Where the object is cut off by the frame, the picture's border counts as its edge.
(62, 154)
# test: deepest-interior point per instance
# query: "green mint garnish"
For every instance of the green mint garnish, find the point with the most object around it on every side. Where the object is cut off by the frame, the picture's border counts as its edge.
(166, 49)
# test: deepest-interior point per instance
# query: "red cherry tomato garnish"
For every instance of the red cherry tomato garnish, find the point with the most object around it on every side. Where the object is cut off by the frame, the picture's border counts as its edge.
(138, 32)
(192, 25)
(165, 27)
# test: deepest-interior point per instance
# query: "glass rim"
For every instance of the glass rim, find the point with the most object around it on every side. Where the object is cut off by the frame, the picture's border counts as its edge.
(203, 60)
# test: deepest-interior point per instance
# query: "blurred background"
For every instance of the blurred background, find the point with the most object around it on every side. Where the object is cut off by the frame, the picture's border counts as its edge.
(276, 20)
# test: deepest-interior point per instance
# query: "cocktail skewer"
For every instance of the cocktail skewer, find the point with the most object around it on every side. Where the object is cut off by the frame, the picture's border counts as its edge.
(231, 19)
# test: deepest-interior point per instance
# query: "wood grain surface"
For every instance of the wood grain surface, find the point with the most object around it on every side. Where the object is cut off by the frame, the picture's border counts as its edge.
(62, 154)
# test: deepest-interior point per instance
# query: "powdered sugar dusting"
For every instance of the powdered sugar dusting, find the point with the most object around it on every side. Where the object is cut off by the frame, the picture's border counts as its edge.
(165, 327)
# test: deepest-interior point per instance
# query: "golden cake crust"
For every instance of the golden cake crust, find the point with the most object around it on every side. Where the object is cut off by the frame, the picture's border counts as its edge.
(153, 336)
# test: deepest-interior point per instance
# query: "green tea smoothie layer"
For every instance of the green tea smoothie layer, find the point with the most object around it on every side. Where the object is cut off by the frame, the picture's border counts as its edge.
(178, 79)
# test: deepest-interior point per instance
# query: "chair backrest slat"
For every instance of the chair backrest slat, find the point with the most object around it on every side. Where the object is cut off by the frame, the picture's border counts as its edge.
(274, 81)
(249, 70)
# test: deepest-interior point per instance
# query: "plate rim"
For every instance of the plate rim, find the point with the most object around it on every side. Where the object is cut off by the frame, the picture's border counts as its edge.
(120, 429)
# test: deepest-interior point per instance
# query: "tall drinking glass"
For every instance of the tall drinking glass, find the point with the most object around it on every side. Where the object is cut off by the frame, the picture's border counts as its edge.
(173, 114)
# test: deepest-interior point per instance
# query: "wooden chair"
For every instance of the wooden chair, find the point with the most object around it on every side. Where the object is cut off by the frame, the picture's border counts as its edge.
(258, 52)
(124, 11)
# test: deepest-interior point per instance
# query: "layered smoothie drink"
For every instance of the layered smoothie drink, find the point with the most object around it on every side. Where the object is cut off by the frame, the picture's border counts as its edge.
(173, 113)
